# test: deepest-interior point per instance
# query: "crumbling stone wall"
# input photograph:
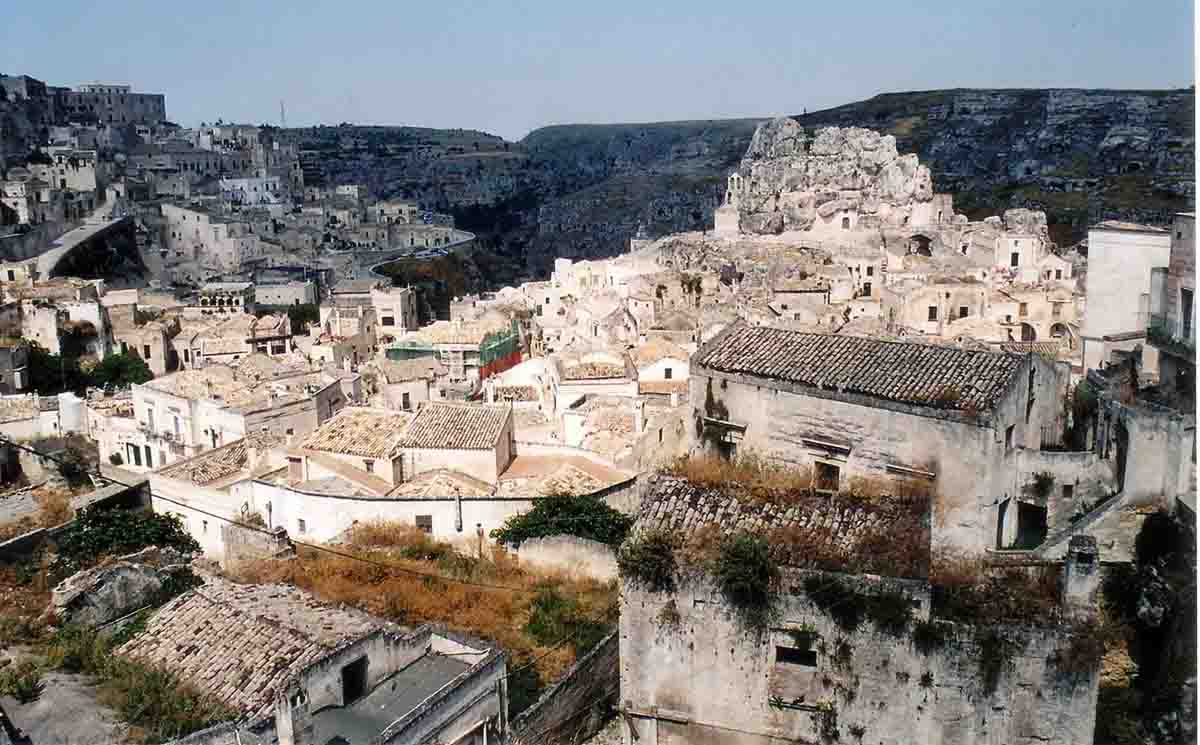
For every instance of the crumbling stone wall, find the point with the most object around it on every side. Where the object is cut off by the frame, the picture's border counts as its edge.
(570, 553)
(573, 709)
(866, 685)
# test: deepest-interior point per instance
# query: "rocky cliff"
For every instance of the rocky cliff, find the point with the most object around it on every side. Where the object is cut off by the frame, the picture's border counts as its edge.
(584, 190)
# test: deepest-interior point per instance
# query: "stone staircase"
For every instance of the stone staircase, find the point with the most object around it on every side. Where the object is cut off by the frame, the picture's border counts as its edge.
(1056, 542)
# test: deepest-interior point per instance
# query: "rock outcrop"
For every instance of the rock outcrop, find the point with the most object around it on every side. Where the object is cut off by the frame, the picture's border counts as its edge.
(105, 593)
(792, 179)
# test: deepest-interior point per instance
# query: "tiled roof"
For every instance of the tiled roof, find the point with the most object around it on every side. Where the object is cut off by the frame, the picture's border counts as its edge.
(220, 463)
(662, 387)
(368, 433)
(654, 350)
(839, 525)
(442, 483)
(456, 426)
(242, 644)
(917, 374)
(421, 368)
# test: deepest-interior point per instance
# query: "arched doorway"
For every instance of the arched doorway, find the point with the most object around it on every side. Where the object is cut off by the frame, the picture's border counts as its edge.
(919, 245)
(1060, 331)
(1028, 333)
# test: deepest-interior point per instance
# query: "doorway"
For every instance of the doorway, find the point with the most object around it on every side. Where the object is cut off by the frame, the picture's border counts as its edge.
(354, 681)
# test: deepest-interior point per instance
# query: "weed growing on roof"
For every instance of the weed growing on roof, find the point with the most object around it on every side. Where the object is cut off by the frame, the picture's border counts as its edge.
(755, 476)
(927, 679)
(22, 681)
(649, 560)
(96, 533)
(966, 589)
(748, 578)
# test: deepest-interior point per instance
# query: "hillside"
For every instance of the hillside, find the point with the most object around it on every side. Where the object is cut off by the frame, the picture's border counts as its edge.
(583, 190)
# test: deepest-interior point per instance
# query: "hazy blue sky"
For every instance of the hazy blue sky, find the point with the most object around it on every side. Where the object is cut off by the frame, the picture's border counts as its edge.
(509, 67)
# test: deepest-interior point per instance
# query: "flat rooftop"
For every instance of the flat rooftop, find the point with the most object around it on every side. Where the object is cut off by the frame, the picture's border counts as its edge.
(397, 695)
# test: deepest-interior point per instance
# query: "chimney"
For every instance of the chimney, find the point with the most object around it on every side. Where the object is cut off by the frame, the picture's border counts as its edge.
(1081, 578)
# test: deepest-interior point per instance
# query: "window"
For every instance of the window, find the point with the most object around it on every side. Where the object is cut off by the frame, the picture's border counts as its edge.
(660, 434)
(1008, 436)
(783, 306)
(933, 313)
(828, 477)
(405, 401)
(388, 321)
(12, 276)
(146, 351)
(187, 355)
(301, 527)
(1015, 259)
(149, 459)
(204, 526)
(845, 223)
(870, 271)
(866, 291)
(1023, 309)
(667, 373)
(425, 523)
(794, 656)
(1058, 273)
(369, 465)
(963, 311)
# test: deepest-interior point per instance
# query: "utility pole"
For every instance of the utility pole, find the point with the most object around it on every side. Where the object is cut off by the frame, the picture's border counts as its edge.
(282, 115)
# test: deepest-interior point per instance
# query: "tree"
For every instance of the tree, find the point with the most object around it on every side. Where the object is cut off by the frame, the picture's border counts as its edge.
(584, 516)
(121, 371)
(51, 373)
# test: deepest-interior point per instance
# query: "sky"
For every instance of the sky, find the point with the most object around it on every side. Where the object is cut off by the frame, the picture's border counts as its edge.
(510, 67)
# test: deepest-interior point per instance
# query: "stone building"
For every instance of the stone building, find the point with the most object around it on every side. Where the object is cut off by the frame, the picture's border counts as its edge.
(395, 309)
(312, 673)
(849, 408)
(693, 670)
(111, 104)
(1121, 256)
(1172, 324)
(14, 365)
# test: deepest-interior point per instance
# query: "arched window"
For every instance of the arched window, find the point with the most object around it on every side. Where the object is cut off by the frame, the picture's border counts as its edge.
(845, 223)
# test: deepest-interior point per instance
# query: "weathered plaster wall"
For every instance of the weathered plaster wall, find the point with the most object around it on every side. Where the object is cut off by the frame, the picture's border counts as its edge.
(588, 687)
(576, 556)
(896, 694)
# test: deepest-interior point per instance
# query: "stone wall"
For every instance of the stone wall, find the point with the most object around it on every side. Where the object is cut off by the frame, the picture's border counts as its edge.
(804, 678)
(243, 544)
(576, 556)
(573, 709)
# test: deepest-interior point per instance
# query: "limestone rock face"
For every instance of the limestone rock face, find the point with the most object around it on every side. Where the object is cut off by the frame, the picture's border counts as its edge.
(793, 180)
(1028, 221)
(106, 593)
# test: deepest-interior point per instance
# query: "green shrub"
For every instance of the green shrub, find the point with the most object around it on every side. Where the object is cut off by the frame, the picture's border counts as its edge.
(649, 560)
(748, 577)
(554, 617)
(96, 533)
(23, 682)
(584, 516)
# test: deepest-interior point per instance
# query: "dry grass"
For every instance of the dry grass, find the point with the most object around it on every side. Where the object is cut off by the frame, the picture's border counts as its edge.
(751, 474)
(54, 507)
(497, 614)
(966, 588)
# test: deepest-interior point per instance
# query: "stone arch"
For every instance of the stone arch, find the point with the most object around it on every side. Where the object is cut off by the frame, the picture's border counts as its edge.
(1028, 333)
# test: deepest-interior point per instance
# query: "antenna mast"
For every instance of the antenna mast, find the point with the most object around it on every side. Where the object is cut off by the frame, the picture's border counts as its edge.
(282, 115)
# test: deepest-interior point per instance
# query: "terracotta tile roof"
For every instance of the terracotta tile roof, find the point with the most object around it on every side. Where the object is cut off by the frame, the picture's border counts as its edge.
(842, 525)
(664, 387)
(654, 350)
(917, 374)
(368, 433)
(456, 426)
(421, 368)
(244, 643)
(442, 483)
(222, 462)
